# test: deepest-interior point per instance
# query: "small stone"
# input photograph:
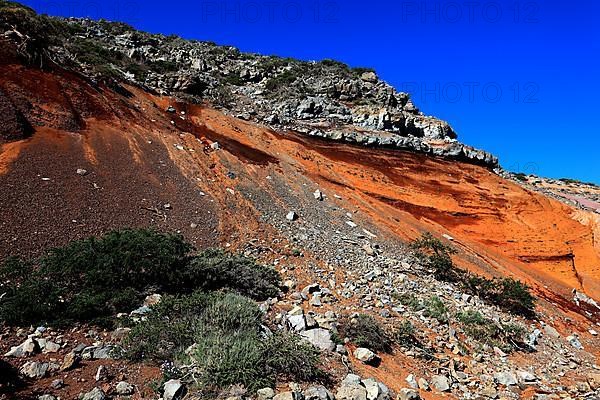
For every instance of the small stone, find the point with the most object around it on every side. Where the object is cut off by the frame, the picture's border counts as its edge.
(46, 397)
(412, 381)
(25, 349)
(291, 216)
(124, 388)
(440, 383)
(408, 394)
(265, 394)
(152, 300)
(94, 394)
(365, 355)
(173, 390)
(101, 373)
(320, 338)
(70, 361)
(318, 392)
(81, 171)
(505, 378)
(34, 369)
(51, 347)
(423, 384)
(57, 384)
(318, 195)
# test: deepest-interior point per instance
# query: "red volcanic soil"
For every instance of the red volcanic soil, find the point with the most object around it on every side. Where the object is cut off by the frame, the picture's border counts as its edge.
(147, 167)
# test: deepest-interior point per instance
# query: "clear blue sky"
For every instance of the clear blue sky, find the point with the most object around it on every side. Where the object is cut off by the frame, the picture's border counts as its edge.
(517, 78)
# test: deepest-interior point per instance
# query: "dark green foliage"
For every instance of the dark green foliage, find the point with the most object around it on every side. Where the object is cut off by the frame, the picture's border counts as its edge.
(364, 331)
(404, 334)
(435, 308)
(520, 176)
(507, 293)
(93, 279)
(229, 345)
(362, 70)
(215, 269)
(505, 336)
(437, 256)
(281, 81)
(9, 376)
(409, 300)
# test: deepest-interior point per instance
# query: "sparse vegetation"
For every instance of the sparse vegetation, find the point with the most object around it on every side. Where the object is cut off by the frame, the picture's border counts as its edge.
(221, 336)
(507, 293)
(484, 330)
(365, 331)
(435, 308)
(404, 334)
(95, 278)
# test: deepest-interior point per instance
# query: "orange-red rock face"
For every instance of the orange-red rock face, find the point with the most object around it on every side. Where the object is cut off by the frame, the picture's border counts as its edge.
(131, 147)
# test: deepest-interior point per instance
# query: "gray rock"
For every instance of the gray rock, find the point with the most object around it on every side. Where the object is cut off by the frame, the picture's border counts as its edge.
(408, 394)
(101, 373)
(124, 388)
(46, 397)
(288, 396)
(376, 390)
(291, 216)
(57, 384)
(365, 355)
(423, 384)
(574, 341)
(25, 349)
(34, 369)
(318, 392)
(94, 394)
(440, 383)
(526, 377)
(351, 391)
(412, 381)
(265, 394)
(173, 390)
(320, 338)
(505, 378)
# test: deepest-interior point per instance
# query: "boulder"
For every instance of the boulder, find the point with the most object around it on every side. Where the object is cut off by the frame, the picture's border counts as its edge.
(412, 381)
(70, 361)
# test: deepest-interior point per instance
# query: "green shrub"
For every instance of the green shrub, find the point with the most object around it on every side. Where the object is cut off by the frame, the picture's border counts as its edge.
(93, 279)
(364, 331)
(484, 330)
(215, 269)
(404, 334)
(507, 293)
(228, 345)
(435, 308)
(409, 300)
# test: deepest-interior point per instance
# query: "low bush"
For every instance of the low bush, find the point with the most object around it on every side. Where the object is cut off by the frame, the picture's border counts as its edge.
(507, 293)
(404, 334)
(93, 279)
(220, 335)
(435, 308)
(364, 331)
(484, 330)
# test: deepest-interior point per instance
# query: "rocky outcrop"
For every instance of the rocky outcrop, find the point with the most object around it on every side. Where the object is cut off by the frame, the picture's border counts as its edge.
(284, 94)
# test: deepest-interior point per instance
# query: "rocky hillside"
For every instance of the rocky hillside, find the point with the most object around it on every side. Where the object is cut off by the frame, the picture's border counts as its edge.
(326, 99)
(342, 271)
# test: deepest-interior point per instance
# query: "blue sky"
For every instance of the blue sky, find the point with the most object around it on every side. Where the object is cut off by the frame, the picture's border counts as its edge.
(516, 78)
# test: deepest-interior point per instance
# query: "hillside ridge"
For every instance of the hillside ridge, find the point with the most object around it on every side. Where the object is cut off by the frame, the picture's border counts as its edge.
(325, 99)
